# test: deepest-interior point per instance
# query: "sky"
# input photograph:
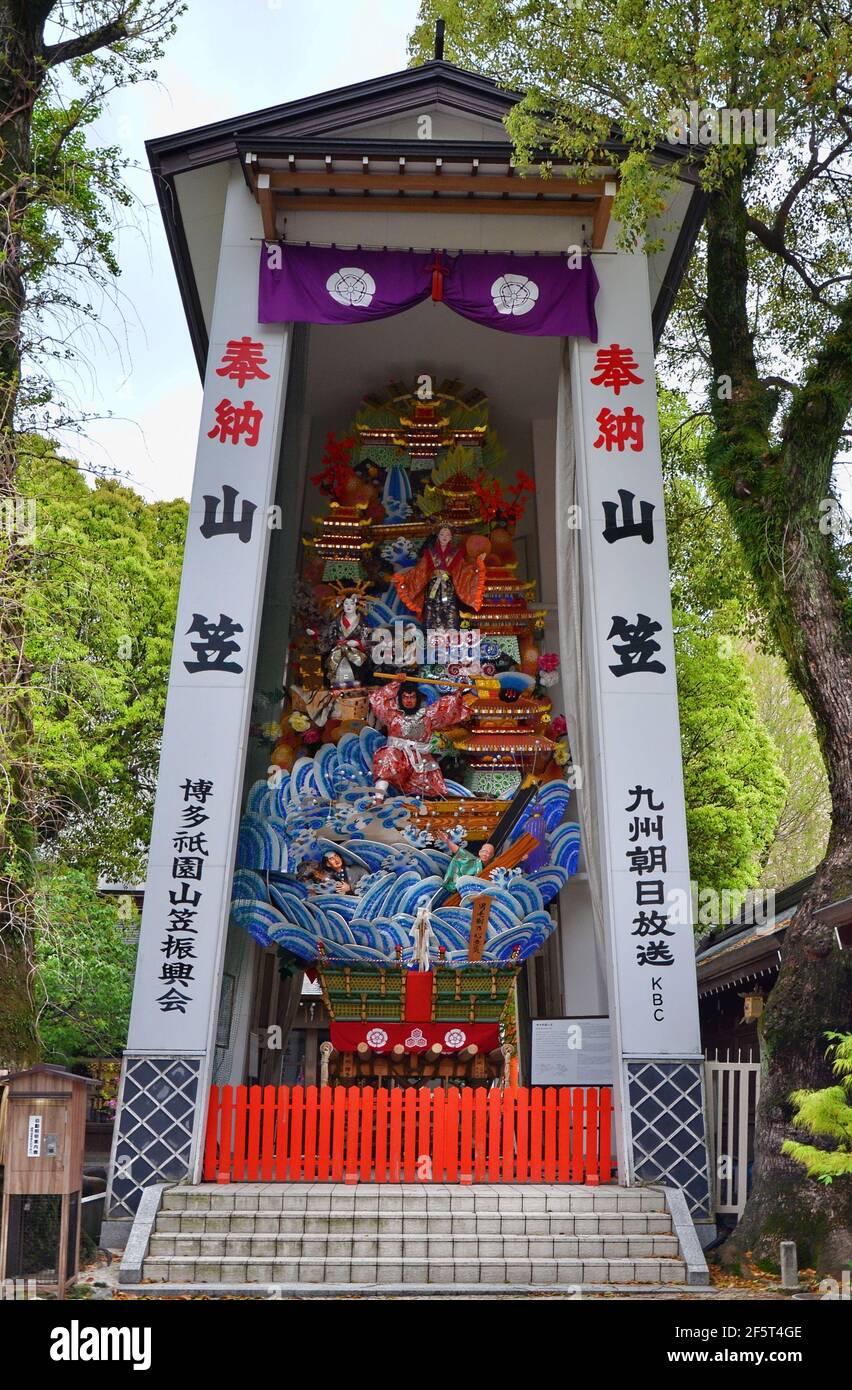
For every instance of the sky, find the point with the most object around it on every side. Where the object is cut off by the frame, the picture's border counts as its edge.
(226, 59)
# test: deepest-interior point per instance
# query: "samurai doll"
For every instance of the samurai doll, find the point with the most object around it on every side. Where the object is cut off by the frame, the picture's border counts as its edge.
(345, 645)
(406, 759)
(443, 577)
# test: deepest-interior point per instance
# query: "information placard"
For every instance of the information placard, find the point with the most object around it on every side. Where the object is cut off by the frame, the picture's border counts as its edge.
(571, 1052)
(34, 1136)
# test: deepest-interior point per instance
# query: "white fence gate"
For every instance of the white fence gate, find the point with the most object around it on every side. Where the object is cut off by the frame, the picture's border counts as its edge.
(733, 1091)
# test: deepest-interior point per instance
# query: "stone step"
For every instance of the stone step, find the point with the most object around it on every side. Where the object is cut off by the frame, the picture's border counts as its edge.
(467, 1222)
(368, 1198)
(429, 1247)
(240, 1270)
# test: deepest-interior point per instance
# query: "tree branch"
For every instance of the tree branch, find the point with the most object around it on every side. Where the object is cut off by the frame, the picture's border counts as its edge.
(780, 381)
(83, 44)
(773, 241)
(812, 170)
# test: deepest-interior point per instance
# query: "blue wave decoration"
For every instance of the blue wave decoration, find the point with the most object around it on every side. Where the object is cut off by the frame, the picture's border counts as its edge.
(260, 800)
(382, 613)
(549, 881)
(325, 804)
(325, 767)
(303, 788)
(457, 790)
(294, 908)
(340, 903)
(565, 847)
(257, 918)
(370, 740)
(251, 844)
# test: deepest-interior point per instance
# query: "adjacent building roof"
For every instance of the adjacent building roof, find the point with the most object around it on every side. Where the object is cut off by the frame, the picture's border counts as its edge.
(749, 946)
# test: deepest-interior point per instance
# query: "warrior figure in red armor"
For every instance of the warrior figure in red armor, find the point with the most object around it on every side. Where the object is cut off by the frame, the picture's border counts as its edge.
(405, 760)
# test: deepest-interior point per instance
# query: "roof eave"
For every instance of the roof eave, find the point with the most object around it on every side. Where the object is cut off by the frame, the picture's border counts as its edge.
(307, 121)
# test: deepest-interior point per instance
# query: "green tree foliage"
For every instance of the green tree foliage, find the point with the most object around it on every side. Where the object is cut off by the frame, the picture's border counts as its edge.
(803, 829)
(710, 581)
(712, 587)
(733, 780)
(102, 593)
(59, 60)
(85, 955)
(734, 787)
(827, 1114)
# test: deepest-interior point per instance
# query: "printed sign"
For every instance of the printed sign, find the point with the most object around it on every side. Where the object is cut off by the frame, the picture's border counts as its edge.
(571, 1052)
(202, 761)
(34, 1137)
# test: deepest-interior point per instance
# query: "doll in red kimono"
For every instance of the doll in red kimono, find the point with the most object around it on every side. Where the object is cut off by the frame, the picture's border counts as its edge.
(406, 760)
(442, 576)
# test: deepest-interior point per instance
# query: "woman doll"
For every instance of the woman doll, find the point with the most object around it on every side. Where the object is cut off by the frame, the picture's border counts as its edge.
(443, 576)
(344, 643)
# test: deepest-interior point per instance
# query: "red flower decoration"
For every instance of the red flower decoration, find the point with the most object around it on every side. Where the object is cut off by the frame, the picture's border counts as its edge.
(558, 726)
(311, 735)
(504, 508)
(548, 661)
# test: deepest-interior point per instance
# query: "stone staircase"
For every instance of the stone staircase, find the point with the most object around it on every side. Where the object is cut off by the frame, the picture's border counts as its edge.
(422, 1235)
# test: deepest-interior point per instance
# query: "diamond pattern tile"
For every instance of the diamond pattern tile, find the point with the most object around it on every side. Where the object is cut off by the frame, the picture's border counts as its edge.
(667, 1122)
(155, 1123)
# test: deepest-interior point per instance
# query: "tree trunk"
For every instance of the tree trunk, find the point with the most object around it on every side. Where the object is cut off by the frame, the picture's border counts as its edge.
(773, 489)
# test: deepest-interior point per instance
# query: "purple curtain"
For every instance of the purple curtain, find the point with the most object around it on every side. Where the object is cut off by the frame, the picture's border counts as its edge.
(317, 284)
(538, 295)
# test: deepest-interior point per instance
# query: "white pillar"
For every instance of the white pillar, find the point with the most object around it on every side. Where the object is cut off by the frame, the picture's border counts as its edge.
(633, 763)
(168, 1062)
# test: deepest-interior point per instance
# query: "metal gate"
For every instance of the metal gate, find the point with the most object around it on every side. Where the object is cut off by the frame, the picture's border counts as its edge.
(733, 1092)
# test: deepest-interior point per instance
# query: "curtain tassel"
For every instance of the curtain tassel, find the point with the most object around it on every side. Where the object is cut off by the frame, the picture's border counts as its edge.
(438, 271)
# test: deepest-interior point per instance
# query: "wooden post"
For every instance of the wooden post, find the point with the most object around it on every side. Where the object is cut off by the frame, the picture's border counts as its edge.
(508, 1052)
(326, 1051)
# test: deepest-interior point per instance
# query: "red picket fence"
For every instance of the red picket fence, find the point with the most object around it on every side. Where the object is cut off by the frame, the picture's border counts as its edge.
(348, 1134)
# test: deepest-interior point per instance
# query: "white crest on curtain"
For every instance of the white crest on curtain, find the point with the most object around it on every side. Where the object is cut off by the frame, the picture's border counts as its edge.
(352, 287)
(514, 294)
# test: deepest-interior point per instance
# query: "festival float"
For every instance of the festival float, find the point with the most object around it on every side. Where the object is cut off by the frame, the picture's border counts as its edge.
(413, 827)
(397, 753)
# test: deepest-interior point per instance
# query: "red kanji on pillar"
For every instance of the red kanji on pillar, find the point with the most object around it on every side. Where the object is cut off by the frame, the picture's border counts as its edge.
(242, 361)
(616, 367)
(617, 431)
(235, 421)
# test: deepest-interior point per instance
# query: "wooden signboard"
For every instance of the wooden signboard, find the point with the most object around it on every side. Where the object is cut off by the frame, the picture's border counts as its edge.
(479, 927)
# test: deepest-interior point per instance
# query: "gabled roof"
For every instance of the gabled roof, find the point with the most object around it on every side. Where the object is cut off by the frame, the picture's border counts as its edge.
(308, 125)
(390, 95)
(45, 1069)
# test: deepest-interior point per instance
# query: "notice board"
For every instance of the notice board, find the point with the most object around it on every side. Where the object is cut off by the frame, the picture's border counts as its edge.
(571, 1052)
